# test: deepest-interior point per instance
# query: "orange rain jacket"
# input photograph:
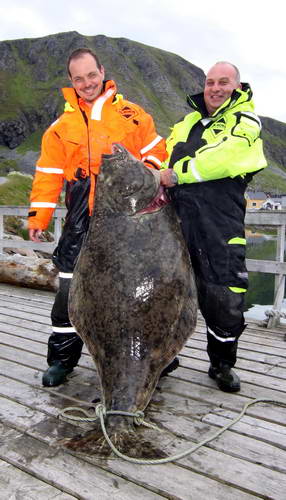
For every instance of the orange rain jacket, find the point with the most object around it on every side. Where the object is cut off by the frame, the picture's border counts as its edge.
(78, 139)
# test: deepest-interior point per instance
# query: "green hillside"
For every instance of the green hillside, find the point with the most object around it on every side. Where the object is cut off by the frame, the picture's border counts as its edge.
(32, 72)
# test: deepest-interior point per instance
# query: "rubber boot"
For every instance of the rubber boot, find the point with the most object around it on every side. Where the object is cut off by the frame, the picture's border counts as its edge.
(55, 374)
(170, 368)
(227, 380)
(63, 354)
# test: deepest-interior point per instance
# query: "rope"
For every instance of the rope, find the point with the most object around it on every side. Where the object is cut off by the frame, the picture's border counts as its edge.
(100, 410)
(274, 312)
(101, 413)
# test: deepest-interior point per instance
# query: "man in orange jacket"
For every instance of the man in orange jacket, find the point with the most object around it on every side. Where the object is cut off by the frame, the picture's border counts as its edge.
(95, 116)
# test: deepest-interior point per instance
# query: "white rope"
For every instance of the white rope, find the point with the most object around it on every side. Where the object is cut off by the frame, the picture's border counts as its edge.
(101, 412)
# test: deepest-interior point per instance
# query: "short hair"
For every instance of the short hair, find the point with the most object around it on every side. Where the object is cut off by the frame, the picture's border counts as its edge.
(77, 53)
(237, 73)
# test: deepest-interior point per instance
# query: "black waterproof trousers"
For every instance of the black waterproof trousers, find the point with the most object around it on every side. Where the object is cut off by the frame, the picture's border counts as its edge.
(64, 344)
(212, 218)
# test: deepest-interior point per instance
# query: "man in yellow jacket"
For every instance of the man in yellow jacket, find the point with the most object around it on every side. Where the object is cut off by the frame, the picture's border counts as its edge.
(95, 116)
(212, 155)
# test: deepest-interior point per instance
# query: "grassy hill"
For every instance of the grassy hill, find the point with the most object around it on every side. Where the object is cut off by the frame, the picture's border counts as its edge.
(32, 72)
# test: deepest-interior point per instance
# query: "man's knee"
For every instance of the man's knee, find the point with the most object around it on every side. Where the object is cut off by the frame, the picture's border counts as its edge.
(222, 308)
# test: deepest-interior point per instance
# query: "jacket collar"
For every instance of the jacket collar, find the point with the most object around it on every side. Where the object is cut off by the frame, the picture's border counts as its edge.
(238, 96)
(72, 97)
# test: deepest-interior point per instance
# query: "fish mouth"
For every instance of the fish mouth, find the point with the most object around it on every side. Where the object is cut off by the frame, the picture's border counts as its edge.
(161, 200)
(116, 148)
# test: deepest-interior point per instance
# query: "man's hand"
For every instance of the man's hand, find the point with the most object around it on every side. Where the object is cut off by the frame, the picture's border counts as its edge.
(168, 178)
(34, 234)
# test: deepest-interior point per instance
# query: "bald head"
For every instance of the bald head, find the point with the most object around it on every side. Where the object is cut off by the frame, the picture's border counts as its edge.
(221, 80)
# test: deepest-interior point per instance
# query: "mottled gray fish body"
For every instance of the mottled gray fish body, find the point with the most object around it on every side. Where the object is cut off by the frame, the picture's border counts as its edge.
(133, 296)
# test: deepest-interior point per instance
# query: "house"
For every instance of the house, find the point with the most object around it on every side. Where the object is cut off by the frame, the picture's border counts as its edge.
(255, 199)
(271, 204)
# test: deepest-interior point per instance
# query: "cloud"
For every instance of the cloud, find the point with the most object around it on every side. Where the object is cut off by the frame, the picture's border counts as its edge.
(249, 35)
(20, 21)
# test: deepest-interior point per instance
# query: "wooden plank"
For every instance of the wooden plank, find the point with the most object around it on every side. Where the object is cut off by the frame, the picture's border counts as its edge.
(18, 329)
(246, 372)
(28, 293)
(26, 323)
(37, 361)
(265, 218)
(23, 315)
(242, 445)
(246, 348)
(65, 472)
(248, 379)
(194, 340)
(180, 474)
(22, 211)
(40, 335)
(246, 368)
(276, 348)
(187, 404)
(16, 484)
(31, 348)
(27, 352)
(266, 266)
(273, 366)
(207, 459)
(22, 303)
(270, 433)
(249, 426)
(234, 402)
(256, 327)
(249, 360)
(43, 246)
(12, 315)
(271, 359)
(83, 385)
(189, 421)
(248, 356)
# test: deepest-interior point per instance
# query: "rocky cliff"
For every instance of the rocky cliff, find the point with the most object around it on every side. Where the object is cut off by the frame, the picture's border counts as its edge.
(32, 72)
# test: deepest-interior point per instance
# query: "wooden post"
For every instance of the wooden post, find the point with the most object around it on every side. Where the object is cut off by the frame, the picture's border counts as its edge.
(58, 228)
(1, 232)
(279, 287)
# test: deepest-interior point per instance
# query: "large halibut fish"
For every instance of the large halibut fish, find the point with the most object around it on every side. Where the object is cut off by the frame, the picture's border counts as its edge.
(133, 296)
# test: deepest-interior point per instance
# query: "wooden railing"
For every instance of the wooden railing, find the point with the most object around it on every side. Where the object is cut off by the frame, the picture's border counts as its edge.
(20, 211)
(276, 219)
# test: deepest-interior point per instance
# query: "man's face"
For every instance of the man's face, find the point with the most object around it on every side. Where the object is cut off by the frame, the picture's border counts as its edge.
(86, 77)
(221, 80)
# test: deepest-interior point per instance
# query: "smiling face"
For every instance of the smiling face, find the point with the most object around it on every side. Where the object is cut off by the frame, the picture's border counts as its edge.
(221, 80)
(86, 77)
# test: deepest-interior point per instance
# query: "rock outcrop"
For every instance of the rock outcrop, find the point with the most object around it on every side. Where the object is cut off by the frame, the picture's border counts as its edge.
(32, 72)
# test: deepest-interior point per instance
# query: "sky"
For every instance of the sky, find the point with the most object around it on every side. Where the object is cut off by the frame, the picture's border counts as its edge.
(250, 34)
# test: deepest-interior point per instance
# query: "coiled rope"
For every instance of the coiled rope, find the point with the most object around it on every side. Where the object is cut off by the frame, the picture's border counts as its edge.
(101, 413)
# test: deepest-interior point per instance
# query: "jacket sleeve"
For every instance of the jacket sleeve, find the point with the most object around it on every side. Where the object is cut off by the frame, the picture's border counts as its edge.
(48, 181)
(152, 145)
(238, 152)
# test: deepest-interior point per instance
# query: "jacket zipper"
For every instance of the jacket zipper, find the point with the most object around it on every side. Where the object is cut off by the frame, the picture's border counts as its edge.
(88, 142)
(211, 147)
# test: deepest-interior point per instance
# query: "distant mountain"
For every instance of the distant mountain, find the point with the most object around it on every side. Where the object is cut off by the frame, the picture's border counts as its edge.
(32, 72)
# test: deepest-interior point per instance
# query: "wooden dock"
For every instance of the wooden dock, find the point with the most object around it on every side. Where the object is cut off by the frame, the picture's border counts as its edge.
(248, 461)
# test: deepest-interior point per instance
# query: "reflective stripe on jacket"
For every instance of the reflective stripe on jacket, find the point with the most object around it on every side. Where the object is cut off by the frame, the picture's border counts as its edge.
(78, 139)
